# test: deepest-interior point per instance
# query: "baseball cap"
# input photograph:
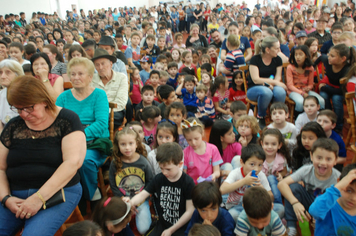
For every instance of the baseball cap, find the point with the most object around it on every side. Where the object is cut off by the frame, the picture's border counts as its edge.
(300, 34)
(146, 59)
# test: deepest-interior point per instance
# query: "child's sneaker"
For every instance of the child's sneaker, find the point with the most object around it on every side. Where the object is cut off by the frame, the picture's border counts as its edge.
(292, 231)
(261, 122)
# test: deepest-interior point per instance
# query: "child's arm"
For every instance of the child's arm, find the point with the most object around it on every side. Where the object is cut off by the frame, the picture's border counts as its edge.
(285, 190)
(216, 172)
(226, 187)
(323, 203)
(137, 199)
(248, 54)
(182, 220)
(179, 88)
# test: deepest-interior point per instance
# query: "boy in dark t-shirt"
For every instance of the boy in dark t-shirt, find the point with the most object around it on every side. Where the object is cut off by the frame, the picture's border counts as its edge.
(171, 191)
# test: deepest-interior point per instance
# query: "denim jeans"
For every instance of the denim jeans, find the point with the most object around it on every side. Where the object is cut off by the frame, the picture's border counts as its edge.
(304, 197)
(45, 222)
(190, 20)
(273, 182)
(338, 106)
(264, 96)
(143, 218)
(89, 172)
(298, 99)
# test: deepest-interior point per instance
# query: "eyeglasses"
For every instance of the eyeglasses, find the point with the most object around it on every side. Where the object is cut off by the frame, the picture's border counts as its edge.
(26, 109)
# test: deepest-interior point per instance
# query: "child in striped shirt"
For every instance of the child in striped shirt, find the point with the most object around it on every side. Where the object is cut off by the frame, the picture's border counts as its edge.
(206, 110)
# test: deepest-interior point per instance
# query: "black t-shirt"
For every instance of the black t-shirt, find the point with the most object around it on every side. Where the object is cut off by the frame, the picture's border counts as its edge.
(31, 162)
(170, 198)
(197, 12)
(264, 71)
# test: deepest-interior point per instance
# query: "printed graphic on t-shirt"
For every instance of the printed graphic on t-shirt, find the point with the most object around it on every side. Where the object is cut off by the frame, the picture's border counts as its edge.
(312, 190)
(130, 181)
(236, 196)
(287, 135)
(169, 202)
(149, 139)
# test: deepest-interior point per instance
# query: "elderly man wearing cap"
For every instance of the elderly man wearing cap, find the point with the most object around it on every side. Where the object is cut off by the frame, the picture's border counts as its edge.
(320, 32)
(108, 44)
(112, 82)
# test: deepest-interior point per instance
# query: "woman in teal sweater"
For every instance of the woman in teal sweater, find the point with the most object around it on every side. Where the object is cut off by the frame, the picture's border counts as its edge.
(92, 107)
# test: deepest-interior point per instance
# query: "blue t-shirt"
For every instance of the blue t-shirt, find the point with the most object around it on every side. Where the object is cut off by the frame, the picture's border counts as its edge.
(244, 44)
(223, 222)
(144, 76)
(326, 46)
(285, 50)
(340, 142)
(189, 99)
(331, 218)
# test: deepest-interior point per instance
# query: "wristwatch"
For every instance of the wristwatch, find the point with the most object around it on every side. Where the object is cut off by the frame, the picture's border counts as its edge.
(45, 80)
(3, 201)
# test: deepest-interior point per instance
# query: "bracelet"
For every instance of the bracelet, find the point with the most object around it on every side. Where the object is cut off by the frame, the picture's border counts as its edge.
(295, 203)
(3, 201)
(45, 80)
(43, 201)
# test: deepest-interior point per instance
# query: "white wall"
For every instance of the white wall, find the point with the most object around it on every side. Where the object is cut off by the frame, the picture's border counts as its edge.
(17, 6)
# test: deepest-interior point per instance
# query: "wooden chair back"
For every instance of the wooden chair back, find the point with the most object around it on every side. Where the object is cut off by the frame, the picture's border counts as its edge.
(245, 73)
(111, 120)
(349, 99)
(67, 85)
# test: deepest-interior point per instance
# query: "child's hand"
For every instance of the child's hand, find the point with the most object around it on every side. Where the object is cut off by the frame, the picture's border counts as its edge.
(198, 115)
(279, 176)
(346, 181)
(207, 222)
(167, 232)
(243, 141)
(300, 212)
(126, 199)
(249, 180)
(301, 183)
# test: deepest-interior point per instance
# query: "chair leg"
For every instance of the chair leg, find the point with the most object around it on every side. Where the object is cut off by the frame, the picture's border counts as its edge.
(101, 182)
(291, 113)
(348, 138)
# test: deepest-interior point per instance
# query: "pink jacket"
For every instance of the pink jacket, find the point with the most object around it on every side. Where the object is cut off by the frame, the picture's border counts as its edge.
(278, 164)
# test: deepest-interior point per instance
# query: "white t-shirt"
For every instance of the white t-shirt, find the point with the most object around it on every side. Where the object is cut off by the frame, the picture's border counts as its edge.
(289, 132)
(235, 197)
(302, 119)
(5, 112)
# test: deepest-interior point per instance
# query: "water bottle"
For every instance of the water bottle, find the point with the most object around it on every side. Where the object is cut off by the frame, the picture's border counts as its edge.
(253, 174)
(304, 227)
(271, 77)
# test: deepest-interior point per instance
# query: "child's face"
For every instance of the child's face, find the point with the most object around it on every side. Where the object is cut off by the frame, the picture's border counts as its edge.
(244, 129)
(159, 67)
(161, 43)
(150, 42)
(212, 53)
(175, 55)
(145, 65)
(179, 39)
(270, 145)
(60, 47)
(135, 40)
(147, 97)
(229, 136)
(323, 161)
(205, 60)
(189, 86)
(170, 170)
(308, 138)
(205, 78)
(164, 136)
(127, 144)
(15, 53)
(310, 107)
(201, 95)
(238, 114)
(188, 58)
(171, 98)
(279, 116)
(334, 57)
(226, 85)
(299, 56)
(176, 116)
(96, 37)
(195, 58)
(163, 80)
(173, 71)
(253, 163)
(136, 74)
(119, 42)
(139, 130)
(260, 223)
(66, 52)
(164, 62)
(238, 80)
(347, 199)
(194, 139)
(326, 123)
(157, 119)
(346, 41)
(162, 32)
(209, 213)
(154, 80)
(300, 41)
(309, 25)
(246, 32)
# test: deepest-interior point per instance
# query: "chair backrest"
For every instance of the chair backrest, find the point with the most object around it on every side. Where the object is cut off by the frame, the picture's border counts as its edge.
(244, 75)
(67, 85)
(349, 98)
(111, 120)
(284, 67)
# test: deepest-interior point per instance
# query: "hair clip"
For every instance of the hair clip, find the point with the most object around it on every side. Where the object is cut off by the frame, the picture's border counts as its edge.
(164, 120)
(118, 221)
(186, 124)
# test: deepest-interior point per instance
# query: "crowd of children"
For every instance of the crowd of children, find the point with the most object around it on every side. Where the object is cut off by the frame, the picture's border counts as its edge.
(248, 178)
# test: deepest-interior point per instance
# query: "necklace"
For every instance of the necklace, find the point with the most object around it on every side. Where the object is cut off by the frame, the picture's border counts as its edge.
(32, 136)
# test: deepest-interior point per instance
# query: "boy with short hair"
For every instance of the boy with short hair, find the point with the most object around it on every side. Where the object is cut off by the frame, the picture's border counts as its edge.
(168, 96)
(146, 63)
(171, 191)
(151, 48)
(239, 179)
(258, 218)
(317, 177)
(327, 119)
(206, 110)
(163, 77)
(158, 66)
(147, 95)
(173, 74)
(279, 114)
(336, 203)
(133, 51)
(255, 35)
(237, 109)
(234, 58)
(336, 31)
(206, 200)
(189, 94)
(164, 60)
(97, 36)
(119, 38)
